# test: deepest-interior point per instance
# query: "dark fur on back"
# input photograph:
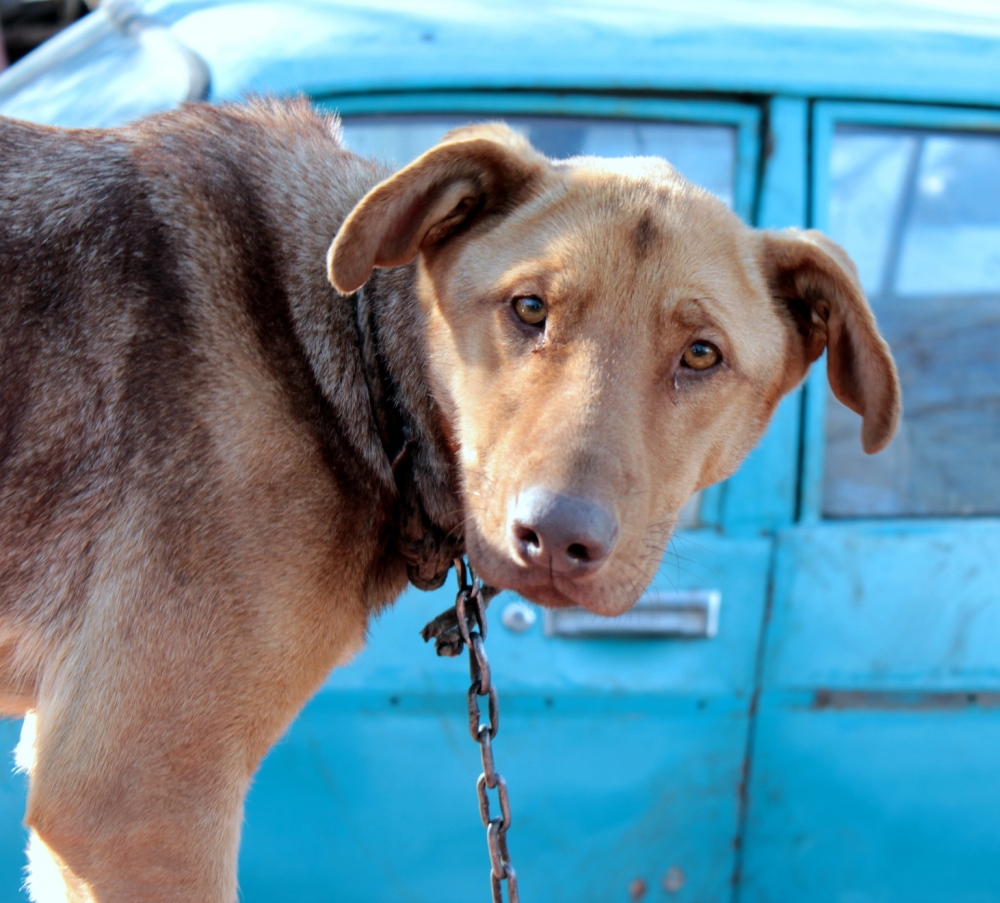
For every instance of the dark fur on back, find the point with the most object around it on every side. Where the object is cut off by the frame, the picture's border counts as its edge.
(128, 260)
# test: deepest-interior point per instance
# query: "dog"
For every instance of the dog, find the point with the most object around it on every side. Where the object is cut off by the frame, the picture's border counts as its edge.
(226, 442)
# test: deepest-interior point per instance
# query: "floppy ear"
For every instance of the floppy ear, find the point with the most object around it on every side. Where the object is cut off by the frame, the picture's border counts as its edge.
(476, 170)
(819, 283)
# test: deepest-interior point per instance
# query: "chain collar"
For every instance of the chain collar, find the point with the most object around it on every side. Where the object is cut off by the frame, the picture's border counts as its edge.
(429, 553)
(464, 627)
(427, 549)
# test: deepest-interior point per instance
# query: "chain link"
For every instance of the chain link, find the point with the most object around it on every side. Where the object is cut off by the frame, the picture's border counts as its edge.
(470, 611)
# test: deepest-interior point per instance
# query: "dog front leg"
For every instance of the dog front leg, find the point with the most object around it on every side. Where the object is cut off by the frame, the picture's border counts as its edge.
(120, 812)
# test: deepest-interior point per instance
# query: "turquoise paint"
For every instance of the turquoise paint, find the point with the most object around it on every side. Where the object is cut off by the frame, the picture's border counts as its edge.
(380, 805)
(888, 793)
(874, 806)
(851, 50)
(901, 606)
(814, 434)
(543, 103)
(888, 790)
(762, 494)
(918, 116)
(784, 190)
(13, 834)
(824, 48)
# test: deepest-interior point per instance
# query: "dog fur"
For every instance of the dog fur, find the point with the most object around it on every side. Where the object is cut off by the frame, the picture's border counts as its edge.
(198, 504)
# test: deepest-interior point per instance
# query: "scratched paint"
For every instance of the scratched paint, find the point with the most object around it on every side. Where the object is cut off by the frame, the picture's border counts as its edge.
(875, 700)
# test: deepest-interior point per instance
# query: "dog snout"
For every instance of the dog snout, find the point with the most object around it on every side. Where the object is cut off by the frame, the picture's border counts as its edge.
(566, 534)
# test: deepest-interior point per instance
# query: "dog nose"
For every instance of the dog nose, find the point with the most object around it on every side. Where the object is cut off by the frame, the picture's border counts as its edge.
(569, 534)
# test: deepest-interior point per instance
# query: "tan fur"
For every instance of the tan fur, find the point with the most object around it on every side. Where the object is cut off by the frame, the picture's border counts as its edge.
(196, 502)
(635, 263)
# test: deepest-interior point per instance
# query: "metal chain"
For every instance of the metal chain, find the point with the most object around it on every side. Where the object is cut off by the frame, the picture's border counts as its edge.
(470, 611)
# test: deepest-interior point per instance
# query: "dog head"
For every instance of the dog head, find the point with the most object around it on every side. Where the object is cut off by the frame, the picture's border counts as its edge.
(604, 339)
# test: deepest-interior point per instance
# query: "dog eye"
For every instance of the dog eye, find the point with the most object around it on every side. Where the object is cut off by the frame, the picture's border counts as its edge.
(701, 356)
(531, 310)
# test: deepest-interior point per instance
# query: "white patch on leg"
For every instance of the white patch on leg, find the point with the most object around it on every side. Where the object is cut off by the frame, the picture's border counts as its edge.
(44, 880)
(24, 752)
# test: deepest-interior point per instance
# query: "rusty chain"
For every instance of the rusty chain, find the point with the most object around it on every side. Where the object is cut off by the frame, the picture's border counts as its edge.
(465, 625)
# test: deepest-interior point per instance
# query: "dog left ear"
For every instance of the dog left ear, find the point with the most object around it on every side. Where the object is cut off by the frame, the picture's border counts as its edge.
(819, 284)
(474, 171)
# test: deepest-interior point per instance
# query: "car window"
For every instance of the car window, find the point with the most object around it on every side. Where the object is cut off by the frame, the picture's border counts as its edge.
(705, 154)
(920, 214)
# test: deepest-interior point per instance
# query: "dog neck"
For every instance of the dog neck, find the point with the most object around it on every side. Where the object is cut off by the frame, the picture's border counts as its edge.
(428, 517)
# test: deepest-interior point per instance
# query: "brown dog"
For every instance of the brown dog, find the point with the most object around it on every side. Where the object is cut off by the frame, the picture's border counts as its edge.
(214, 467)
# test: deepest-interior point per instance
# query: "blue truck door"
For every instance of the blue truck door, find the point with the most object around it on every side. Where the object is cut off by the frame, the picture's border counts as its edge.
(876, 771)
(624, 756)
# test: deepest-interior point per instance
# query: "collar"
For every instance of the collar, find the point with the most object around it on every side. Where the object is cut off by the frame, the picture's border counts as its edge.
(425, 546)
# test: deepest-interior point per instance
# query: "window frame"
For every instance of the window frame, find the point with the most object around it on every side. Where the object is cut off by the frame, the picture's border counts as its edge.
(745, 117)
(826, 117)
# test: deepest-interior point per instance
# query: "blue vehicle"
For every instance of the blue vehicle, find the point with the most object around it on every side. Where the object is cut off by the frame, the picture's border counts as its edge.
(806, 707)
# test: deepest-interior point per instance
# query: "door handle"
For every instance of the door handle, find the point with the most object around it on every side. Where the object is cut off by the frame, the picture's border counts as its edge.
(688, 614)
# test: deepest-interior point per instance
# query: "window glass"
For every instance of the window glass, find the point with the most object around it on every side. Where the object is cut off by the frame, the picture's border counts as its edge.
(705, 154)
(920, 214)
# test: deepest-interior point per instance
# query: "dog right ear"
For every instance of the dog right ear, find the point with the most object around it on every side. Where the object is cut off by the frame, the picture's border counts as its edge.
(475, 170)
(816, 280)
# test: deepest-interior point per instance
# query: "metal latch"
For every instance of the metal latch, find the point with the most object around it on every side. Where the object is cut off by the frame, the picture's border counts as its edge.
(683, 613)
